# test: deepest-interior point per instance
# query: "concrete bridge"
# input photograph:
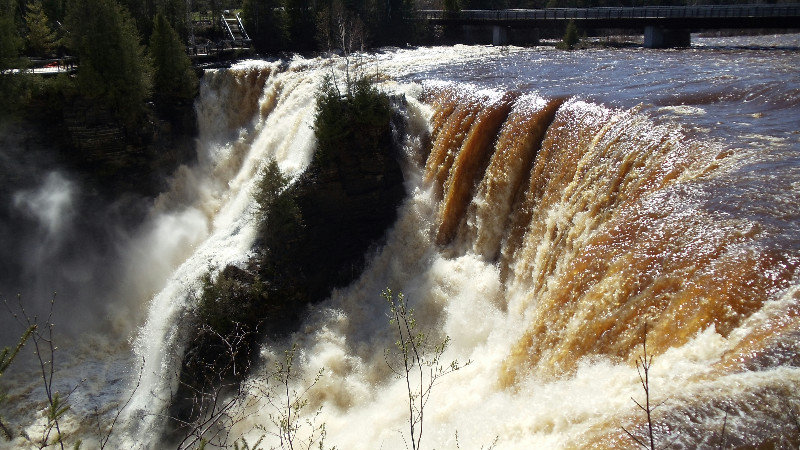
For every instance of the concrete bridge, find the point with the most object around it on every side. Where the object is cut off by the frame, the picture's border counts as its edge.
(662, 26)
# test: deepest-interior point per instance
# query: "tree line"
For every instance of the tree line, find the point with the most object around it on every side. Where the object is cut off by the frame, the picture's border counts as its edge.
(131, 51)
(308, 25)
(126, 56)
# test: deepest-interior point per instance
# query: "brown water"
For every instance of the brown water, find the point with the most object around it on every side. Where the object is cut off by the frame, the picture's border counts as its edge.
(603, 220)
(558, 202)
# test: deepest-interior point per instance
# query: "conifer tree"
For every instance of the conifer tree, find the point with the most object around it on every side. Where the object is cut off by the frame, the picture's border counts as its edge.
(114, 69)
(173, 77)
(10, 42)
(10, 46)
(41, 38)
(570, 36)
(265, 24)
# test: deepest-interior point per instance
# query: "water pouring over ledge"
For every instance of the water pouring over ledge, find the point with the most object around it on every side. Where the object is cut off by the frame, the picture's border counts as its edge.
(612, 217)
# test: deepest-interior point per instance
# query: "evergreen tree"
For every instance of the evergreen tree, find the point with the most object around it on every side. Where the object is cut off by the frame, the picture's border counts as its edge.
(300, 24)
(264, 22)
(142, 12)
(55, 10)
(173, 77)
(114, 69)
(570, 36)
(175, 13)
(10, 41)
(10, 46)
(41, 38)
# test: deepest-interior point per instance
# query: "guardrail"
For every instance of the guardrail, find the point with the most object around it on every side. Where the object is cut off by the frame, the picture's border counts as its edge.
(245, 36)
(600, 13)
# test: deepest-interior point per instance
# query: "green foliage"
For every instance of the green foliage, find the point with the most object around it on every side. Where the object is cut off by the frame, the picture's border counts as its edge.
(247, 446)
(238, 298)
(173, 77)
(353, 121)
(265, 23)
(270, 186)
(280, 223)
(8, 355)
(10, 46)
(300, 23)
(114, 69)
(10, 43)
(288, 404)
(570, 36)
(55, 10)
(417, 359)
(143, 13)
(229, 301)
(41, 38)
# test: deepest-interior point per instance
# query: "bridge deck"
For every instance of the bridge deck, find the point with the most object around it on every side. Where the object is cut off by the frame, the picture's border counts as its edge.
(704, 16)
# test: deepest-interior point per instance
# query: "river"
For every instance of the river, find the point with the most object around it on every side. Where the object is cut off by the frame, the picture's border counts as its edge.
(558, 205)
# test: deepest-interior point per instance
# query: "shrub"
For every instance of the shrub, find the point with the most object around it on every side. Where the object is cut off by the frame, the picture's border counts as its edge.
(417, 359)
(230, 299)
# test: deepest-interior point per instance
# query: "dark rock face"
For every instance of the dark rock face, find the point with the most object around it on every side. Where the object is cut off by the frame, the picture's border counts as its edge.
(128, 159)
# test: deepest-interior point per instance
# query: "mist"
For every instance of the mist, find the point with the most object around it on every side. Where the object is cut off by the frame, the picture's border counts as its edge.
(61, 239)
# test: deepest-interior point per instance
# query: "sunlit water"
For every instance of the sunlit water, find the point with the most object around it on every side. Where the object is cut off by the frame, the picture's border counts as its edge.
(663, 190)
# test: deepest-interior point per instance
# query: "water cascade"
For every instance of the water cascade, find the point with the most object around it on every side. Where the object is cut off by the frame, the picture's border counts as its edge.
(247, 115)
(541, 233)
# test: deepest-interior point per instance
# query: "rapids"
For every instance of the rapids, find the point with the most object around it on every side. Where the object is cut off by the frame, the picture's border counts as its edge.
(549, 217)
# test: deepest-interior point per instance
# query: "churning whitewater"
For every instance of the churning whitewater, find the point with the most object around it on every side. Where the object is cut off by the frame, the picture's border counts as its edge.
(541, 232)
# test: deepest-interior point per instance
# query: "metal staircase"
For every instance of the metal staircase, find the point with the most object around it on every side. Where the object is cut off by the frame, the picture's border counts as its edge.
(232, 23)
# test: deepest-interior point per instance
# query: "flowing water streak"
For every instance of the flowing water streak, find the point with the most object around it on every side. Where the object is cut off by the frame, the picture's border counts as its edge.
(248, 115)
(517, 146)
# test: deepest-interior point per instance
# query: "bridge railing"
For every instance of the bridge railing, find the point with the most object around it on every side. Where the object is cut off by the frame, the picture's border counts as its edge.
(643, 12)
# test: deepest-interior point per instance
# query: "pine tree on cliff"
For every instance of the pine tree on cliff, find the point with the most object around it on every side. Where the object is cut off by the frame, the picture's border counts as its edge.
(114, 69)
(174, 80)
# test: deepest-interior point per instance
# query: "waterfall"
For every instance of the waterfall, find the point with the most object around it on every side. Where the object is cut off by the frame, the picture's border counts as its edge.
(542, 234)
(247, 115)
